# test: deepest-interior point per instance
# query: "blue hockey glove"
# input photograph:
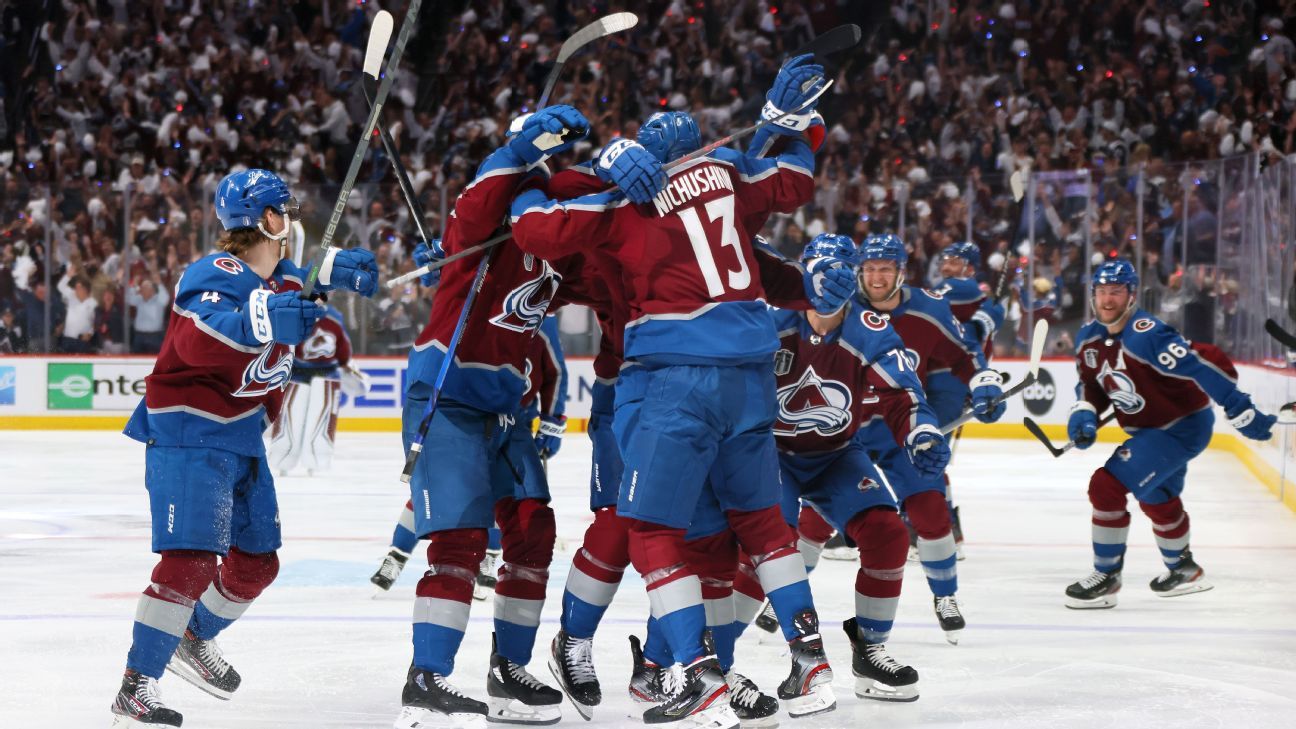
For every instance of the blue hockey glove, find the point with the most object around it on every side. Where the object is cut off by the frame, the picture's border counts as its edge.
(353, 269)
(793, 88)
(1082, 425)
(829, 284)
(928, 450)
(1242, 414)
(552, 130)
(986, 386)
(425, 254)
(629, 166)
(549, 438)
(285, 317)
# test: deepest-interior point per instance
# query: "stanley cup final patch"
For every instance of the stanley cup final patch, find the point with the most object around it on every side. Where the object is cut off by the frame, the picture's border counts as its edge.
(782, 362)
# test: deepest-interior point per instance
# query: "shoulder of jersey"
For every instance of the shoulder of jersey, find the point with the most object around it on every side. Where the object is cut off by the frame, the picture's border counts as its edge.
(220, 271)
(1142, 330)
(927, 301)
(960, 289)
(869, 319)
(332, 313)
(1089, 332)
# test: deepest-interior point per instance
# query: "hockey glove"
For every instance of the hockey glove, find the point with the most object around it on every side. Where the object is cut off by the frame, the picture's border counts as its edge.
(829, 284)
(353, 269)
(425, 254)
(549, 438)
(986, 386)
(285, 317)
(1242, 414)
(1082, 425)
(763, 141)
(552, 130)
(798, 80)
(626, 164)
(928, 450)
(354, 380)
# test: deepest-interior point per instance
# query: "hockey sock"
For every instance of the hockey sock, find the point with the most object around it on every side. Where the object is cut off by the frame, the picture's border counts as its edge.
(165, 607)
(1170, 527)
(936, 549)
(812, 533)
(595, 573)
(404, 538)
(527, 536)
(1110, 520)
(748, 597)
(772, 545)
(241, 579)
(444, 595)
(493, 538)
(655, 647)
(883, 547)
(715, 560)
(674, 592)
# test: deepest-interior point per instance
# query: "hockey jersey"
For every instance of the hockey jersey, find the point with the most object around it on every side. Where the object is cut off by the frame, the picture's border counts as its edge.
(1150, 374)
(830, 385)
(933, 338)
(215, 384)
(972, 307)
(546, 371)
(686, 259)
(324, 351)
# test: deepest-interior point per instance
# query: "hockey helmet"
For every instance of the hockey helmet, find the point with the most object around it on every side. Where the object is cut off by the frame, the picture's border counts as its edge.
(965, 250)
(243, 196)
(831, 245)
(884, 247)
(1115, 271)
(669, 135)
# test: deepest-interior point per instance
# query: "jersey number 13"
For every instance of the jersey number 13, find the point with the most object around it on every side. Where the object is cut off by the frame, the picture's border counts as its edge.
(720, 209)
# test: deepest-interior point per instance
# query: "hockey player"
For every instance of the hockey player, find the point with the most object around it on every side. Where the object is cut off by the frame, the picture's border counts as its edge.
(934, 341)
(219, 378)
(704, 396)
(464, 474)
(1161, 387)
(322, 370)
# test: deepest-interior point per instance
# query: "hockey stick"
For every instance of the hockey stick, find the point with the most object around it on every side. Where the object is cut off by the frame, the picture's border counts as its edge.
(674, 164)
(379, 35)
(1037, 353)
(604, 26)
(407, 27)
(1284, 337)
(1038, 432)
(833, 40)
(1017, 186)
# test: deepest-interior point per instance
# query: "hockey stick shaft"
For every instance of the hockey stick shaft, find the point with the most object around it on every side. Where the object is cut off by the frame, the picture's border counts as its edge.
(1038, 339)
(357, 159)
(1017, 184)
(1039, 433)
(674, 164)
(1284, 337)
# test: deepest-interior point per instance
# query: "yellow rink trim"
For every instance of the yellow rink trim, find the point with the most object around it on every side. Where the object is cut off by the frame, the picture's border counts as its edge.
(1265, 473)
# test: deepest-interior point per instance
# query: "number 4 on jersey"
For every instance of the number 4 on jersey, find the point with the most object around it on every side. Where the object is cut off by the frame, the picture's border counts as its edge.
(721, 208)
(211, 296)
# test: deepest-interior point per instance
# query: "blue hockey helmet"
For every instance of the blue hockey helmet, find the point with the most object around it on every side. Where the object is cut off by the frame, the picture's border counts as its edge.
(1115, 271)
(242, 197)
(884, 247)
(831, 245)
(965, 250)
(669, 135)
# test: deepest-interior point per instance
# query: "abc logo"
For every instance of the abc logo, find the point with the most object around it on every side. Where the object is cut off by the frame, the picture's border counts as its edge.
(1039, 395)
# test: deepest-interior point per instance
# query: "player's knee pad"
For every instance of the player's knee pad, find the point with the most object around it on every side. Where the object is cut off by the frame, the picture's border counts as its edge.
(245, 575)
(455, 554)
(715, 561)
(527, 533)
(181, 575)
(1165, 514)
(881, 537)
(812, 527)
(761, 532)
(929, 514)
(1106, 492)
(608, 538)
(653, 546)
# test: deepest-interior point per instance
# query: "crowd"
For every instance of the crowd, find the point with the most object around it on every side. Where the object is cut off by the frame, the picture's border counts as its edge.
(116, 126)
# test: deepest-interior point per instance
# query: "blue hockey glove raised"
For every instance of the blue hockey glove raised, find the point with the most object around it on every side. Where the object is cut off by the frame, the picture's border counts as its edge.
(795, 85)
(552, 130)
(425, 254)
(986, 386)
(353, 269)
(928, 450)
(549, 438)
(829, 284)
(1242, 414)
(1082, 425)
(626, 164)
(285, 317)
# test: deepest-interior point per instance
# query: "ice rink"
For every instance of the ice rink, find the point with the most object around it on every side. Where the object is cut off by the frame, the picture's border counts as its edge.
(317, 650)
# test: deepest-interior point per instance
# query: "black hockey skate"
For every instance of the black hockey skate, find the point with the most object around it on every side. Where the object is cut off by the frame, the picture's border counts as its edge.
(486, 579)
(808, 688)
(138, 704)
(1095, 591)
(702, 699)
(428, 700)
(950, 618)
(517, 697)
(837, 548)
(754, 709)
(878, 675)
(390, 569)
(201, 663)
(649, 682)
(767, 620)
(571, 661)
(1185, 579)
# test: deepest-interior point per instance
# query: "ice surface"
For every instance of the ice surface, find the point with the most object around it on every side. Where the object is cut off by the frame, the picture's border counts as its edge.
(318, 651)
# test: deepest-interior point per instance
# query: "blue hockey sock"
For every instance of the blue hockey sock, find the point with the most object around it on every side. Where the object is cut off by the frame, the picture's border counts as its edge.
(156, 634)
(655, 647)
(939, 558)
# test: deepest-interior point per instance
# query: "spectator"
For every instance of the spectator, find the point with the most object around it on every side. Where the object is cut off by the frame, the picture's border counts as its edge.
(79, 327)
(12, 339)
(151, 313)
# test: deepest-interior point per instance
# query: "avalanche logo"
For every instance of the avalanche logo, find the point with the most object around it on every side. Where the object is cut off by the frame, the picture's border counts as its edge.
(228, 265)
(321, 345)
(261, 378)
(1120, 389)
(525, 306)
(813, 404)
